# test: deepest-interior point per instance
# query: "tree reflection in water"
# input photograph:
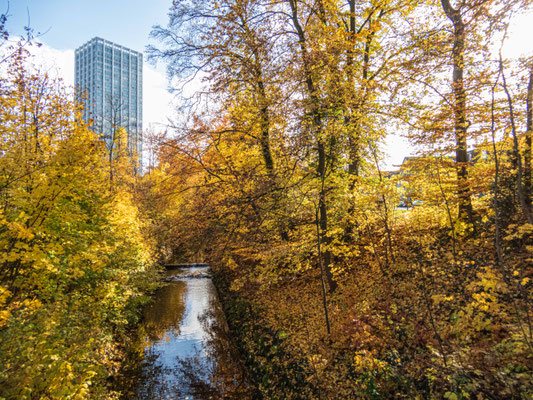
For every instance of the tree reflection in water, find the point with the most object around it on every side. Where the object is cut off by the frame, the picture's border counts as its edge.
(227, 377)
(184, 348)
(164, 315)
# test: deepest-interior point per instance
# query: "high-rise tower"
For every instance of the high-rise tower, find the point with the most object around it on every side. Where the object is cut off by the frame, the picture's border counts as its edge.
(109, 79)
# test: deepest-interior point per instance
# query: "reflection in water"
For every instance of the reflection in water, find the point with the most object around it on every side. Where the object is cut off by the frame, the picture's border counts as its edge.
(166, 312)
(187, 351)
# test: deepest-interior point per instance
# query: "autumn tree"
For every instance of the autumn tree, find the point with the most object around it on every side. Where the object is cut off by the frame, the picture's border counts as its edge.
(529, 132)
(420, 302)
(74, 258)
(228, 42)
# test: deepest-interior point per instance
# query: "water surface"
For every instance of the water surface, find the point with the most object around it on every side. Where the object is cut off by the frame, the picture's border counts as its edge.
(187, 350)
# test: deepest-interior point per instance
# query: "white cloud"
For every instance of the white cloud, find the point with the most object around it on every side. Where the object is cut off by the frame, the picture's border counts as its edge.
(52, 62)
(157, 100)
(519, 43)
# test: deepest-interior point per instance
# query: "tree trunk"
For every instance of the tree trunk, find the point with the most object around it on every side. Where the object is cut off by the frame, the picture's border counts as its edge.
(529, 132)
(516, 150)
(460, 126)
(353, 140)
(264, 119)
(265, 127)
(317, 127)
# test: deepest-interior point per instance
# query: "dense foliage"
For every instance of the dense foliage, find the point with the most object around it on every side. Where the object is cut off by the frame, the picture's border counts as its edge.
(339, 279)
(333, 290)
(74, 260)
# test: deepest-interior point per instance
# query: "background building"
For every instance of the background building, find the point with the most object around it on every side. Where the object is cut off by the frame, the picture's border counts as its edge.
(109, 79)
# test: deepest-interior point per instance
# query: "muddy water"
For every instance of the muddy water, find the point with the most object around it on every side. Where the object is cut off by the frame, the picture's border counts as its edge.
(187, 350)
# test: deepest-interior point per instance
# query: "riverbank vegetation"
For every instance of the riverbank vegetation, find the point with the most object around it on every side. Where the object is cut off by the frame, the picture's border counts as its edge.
(334, 288)
(75, 261)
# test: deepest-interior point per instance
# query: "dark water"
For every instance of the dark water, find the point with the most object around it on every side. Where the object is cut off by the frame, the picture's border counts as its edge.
(187, 353)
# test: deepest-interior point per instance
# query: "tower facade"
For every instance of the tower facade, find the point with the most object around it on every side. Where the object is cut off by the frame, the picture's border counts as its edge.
(108, 78)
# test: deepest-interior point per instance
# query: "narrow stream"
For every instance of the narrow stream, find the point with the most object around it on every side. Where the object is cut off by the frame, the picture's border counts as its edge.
(187, 350)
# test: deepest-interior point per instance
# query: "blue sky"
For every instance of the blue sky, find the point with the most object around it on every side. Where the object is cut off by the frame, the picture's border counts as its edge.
(67, 24)
(70, 23)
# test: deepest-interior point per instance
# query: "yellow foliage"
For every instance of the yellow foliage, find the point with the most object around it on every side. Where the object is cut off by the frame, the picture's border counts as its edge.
(74, 255)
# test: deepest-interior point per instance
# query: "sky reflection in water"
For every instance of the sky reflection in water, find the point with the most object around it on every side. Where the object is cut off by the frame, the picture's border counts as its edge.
(188, 353)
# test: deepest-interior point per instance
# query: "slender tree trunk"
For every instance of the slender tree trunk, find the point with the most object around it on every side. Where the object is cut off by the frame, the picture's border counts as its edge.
(317, 127)
(353, 140)
(265, 128)
(516, 150)
(353, 165)
(321, 263)
(354, 126)
(110, 157)
(449, 212)
(529, 132)
(386, 224)
(496, 198)
(461, 155)
(497, 228)
(264, 118)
